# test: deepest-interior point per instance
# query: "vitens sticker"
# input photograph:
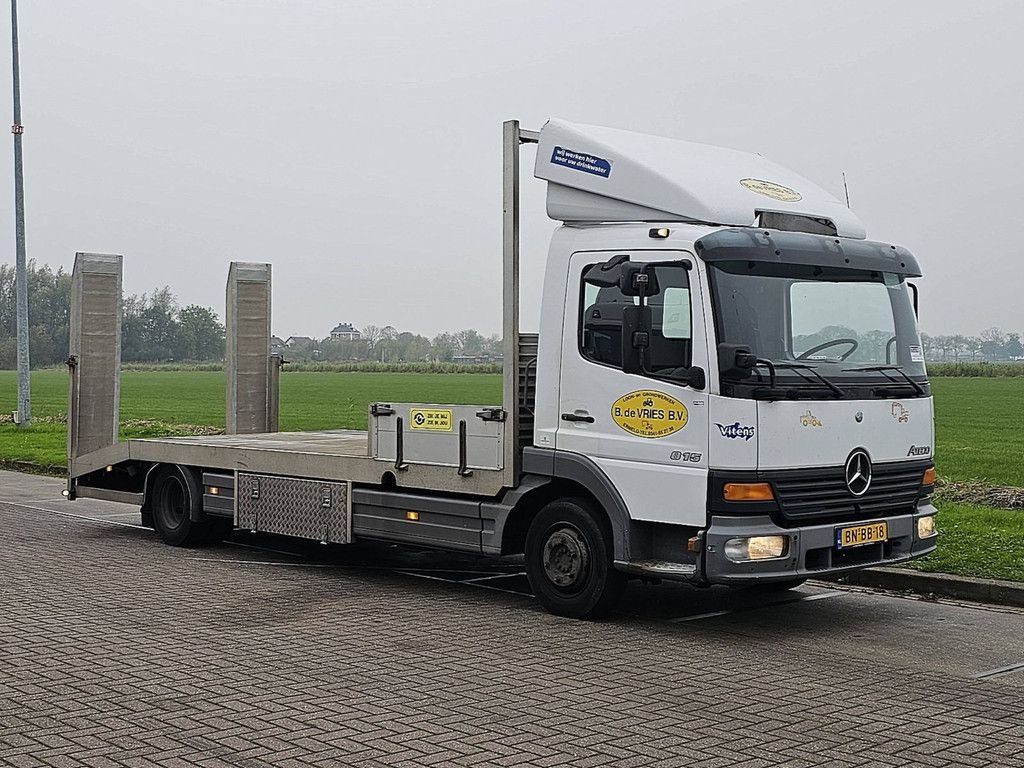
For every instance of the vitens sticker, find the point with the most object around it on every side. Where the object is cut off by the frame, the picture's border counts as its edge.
(735, 431)
(649, 413)
(772, 190)
(916, 355)
(581, 161)
(436, 419)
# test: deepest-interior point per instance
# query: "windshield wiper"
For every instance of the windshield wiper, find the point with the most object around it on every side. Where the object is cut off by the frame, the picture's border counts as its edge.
(883, 368)
(814, 371)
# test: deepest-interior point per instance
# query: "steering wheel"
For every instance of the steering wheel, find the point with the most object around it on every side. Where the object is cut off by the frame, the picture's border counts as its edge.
(852, 342)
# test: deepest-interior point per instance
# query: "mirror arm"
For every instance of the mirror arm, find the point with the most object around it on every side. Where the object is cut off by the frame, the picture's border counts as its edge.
(771, 370)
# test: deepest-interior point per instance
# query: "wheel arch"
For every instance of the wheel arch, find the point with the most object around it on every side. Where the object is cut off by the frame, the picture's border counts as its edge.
(552, 475)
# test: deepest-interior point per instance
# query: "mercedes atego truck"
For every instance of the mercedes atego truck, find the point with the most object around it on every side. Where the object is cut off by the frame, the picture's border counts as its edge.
(727, 387)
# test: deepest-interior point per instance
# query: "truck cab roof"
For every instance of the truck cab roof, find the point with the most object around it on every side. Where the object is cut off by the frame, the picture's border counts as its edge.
(598, 174)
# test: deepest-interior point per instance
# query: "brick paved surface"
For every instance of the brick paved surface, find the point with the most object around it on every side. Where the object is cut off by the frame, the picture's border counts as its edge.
(118, 651)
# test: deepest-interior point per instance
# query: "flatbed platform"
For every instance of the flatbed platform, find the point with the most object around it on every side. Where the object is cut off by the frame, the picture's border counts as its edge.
(335, 442)
(335, 455)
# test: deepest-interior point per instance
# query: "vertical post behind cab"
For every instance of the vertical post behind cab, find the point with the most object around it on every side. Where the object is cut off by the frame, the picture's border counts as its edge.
(510, 391)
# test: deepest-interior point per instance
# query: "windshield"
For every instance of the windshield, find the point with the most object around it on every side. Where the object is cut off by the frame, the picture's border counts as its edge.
(816, 321)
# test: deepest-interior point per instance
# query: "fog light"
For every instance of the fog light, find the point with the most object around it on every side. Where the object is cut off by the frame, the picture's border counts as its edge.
(926, 527)
(756, 548)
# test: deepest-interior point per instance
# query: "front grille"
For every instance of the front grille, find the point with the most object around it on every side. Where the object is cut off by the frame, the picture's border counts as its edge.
(820, 495)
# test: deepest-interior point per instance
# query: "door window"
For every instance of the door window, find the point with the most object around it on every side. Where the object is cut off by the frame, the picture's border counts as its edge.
(670, 335)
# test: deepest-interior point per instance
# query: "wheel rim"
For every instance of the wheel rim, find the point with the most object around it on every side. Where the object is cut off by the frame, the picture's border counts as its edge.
(171, 503)
(566, 558)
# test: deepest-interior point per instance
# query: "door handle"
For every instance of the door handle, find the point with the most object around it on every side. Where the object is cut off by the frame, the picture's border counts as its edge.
(586, 418)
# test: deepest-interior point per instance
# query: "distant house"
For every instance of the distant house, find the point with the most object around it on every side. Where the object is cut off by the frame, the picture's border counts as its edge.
(345, 332)
(277, 345)
(299, 342)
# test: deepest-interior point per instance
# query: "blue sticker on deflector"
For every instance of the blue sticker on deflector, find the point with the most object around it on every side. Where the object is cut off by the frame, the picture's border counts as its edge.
(581, 161)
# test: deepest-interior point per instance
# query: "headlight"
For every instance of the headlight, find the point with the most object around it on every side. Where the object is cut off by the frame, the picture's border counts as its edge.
(926, 527)
(756, 548)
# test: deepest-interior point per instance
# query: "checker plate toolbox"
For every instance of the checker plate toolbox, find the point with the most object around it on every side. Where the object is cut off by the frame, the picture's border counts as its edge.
(310, 509)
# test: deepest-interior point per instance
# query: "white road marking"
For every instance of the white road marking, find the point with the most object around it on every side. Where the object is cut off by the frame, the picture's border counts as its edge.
(236, 561)
(1007, 670)
(485, 578)
(77, 517)
(450, 581)
(802, 598)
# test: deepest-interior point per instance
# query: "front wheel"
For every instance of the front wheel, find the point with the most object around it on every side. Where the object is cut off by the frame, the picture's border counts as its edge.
(569, 560)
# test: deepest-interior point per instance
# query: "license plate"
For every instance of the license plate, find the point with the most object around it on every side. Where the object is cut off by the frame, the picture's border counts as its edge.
(861, 535)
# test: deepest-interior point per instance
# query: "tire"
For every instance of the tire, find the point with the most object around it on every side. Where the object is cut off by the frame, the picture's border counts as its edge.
(569, 560)
(173, 496)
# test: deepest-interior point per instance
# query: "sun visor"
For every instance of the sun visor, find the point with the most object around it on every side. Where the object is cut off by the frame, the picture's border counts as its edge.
(604, 174)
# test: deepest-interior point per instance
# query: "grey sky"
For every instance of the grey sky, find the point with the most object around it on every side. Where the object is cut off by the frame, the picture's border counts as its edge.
(356, 146)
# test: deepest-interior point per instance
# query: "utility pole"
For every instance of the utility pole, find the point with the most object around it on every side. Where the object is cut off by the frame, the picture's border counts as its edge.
(24, 416)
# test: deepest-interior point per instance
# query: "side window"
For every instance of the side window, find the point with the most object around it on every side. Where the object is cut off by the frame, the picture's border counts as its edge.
(600, 322)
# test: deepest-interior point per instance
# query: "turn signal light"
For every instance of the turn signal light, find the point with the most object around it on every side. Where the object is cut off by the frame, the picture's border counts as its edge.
(928, 478)
(747, 492)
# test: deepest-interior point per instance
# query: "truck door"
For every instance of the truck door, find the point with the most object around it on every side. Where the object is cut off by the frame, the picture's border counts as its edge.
(647, 431)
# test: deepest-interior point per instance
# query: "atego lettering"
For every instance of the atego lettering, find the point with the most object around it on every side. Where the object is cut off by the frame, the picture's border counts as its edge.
(919, 450)
(735, 431)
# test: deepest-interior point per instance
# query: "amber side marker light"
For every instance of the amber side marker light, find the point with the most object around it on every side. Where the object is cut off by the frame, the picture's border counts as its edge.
(928, 478)
(412, 515)
(747, 492)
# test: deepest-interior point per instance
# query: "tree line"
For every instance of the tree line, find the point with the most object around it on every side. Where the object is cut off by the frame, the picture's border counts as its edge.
(155, 328)
(388, 345)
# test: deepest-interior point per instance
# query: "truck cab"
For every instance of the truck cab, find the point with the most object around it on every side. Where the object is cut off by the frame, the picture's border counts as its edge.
(741, 368)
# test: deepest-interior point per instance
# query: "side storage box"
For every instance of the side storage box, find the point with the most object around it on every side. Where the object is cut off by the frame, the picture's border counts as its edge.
(307, 509)
(466, 436)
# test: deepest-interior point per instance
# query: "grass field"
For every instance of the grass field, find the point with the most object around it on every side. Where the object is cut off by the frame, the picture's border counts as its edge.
(979, 422)
(977, 541)
(979, 434)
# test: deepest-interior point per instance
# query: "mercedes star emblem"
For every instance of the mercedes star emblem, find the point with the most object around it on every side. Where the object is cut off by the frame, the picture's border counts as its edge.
(858, 416)
(858, 472)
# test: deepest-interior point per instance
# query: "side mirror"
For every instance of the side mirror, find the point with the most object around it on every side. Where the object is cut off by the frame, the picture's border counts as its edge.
(637, 280)
(636, 323)
(609, 274)
(736, 360)
(695, 377)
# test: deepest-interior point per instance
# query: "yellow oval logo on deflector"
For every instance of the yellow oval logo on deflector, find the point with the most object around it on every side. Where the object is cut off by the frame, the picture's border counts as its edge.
(772, 190)
(648, 413)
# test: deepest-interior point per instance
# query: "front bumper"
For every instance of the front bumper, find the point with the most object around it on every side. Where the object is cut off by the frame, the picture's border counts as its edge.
(812, 549)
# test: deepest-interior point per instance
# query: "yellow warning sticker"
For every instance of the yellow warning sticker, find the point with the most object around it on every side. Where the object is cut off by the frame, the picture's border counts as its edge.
(772, 190)
(649, 413)
(437, 419)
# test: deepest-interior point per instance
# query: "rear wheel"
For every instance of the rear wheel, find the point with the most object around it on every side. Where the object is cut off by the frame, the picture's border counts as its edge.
(174, 496)
(569, 560)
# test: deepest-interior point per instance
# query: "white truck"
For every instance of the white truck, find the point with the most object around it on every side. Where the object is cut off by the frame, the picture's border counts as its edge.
(727, 387)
